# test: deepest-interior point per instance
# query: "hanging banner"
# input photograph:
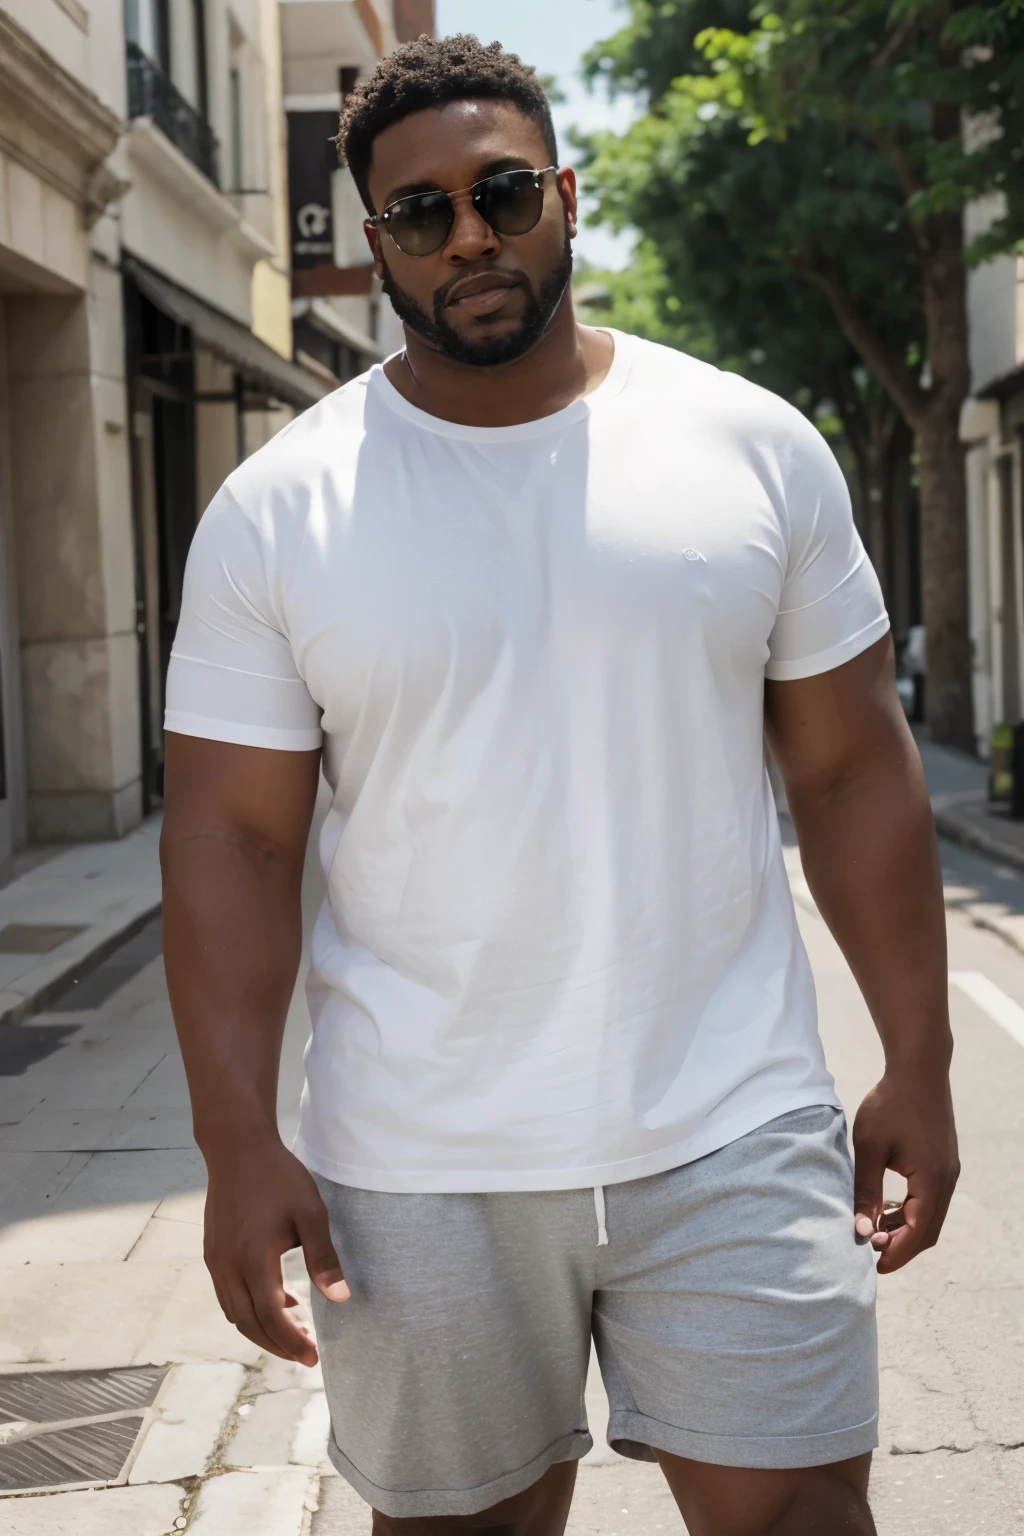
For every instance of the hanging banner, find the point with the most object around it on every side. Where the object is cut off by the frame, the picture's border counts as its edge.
(312, 162)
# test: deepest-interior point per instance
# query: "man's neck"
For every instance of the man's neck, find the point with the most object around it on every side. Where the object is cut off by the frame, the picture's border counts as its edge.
(569, 361)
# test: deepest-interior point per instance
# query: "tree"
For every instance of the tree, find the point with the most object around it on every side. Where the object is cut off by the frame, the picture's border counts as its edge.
(886, 87)
(723, 218)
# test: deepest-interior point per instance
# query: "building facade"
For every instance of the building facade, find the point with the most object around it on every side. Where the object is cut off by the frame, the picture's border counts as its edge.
(992, 430)
(152, 334)
(69, 712)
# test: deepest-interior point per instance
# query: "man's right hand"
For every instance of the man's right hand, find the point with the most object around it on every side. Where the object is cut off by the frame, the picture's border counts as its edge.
(262, 1202)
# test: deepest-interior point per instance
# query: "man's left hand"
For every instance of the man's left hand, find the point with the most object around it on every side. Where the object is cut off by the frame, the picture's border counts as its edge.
(905, 1123)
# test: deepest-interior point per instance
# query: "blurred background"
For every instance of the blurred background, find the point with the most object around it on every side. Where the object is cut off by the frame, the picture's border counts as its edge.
(827, 198)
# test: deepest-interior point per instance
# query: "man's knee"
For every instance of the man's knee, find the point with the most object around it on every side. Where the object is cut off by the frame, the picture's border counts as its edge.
(822, 1502)
(740, 1501)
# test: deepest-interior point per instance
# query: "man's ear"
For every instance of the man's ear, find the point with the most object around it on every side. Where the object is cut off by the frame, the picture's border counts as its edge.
(568, 192)
(373, 241)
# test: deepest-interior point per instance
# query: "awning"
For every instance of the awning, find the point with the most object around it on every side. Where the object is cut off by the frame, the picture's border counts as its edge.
(229, 339)
(1003, 388)
(327, 319)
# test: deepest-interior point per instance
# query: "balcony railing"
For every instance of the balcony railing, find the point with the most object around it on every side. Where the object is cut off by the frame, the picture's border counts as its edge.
(152, 95)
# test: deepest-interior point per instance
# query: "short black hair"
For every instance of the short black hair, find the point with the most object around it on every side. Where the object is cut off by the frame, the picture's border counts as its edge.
(431, 72)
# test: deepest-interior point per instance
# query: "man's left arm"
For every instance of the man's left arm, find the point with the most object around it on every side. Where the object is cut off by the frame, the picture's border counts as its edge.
(860, 807)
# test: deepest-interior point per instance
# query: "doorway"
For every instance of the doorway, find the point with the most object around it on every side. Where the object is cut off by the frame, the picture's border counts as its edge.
(162, 383)
(12, 809)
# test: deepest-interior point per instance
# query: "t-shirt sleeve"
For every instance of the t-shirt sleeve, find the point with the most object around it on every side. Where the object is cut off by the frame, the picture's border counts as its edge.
(831, 606)
(232, 675)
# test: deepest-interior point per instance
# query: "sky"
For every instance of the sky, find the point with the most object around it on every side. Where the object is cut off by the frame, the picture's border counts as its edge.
(553, 35)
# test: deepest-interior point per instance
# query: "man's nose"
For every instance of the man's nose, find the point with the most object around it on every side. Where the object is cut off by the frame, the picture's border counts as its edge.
(472, 238)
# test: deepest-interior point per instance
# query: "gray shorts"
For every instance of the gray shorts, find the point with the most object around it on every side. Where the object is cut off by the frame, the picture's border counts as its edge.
(732, 1308)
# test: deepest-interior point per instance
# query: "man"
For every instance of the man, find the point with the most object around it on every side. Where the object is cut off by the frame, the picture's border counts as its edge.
(530, 593)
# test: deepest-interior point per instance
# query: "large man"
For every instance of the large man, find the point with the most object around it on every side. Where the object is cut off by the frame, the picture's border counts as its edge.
(530, 593)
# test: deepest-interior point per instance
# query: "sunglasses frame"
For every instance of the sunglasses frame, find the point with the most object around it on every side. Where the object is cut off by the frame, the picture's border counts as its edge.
(379, 221)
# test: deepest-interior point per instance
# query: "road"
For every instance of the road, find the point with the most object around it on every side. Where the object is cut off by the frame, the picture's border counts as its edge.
(101, 1192)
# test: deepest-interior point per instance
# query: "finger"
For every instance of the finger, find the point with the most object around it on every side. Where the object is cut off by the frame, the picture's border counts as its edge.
(247, 1322)
(278, 1318)
(870, 1159)
(320, 1254)
(924, 1211)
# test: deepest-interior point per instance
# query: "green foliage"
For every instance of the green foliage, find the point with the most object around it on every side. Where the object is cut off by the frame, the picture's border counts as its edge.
(735, 226)
(904, 75)
(640, 301)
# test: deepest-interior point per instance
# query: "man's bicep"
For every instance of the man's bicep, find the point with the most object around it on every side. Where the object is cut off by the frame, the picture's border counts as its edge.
(847, 721)
(261, 794)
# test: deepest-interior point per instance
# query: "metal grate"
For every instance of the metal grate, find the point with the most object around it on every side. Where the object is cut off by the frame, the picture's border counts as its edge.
(62, 1429)
(36, 938)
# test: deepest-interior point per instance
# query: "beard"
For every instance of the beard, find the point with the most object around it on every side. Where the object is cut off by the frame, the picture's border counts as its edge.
(487, 352)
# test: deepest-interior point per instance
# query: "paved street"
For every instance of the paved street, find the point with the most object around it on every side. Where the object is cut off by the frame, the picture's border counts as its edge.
(100, 1256)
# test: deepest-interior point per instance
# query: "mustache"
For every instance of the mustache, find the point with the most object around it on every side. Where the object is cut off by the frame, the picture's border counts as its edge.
(441, 294)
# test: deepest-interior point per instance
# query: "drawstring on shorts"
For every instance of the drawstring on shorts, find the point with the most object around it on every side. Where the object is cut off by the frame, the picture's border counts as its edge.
(602, 1227)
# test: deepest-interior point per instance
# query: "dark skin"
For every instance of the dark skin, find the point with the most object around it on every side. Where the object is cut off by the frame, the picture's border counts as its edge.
(237, 823)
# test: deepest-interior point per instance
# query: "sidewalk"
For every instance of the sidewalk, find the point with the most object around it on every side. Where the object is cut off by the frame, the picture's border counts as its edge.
(59, 920)
(992, 895)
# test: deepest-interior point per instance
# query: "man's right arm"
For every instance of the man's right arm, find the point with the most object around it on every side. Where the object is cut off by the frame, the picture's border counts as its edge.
(236, 823)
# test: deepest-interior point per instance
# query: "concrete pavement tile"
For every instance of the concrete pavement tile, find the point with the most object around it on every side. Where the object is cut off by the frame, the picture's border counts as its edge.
(264, 1503)
(266, 1429)
(99, 1512)
(83, 1315)
(279, 1375)
(53, 1128)
(630, 1498)
(90, 1085)
(184, 1205)
(341, 1512)
(191, 1411)
(162, 1239)
(102, 1212)
(943, 1494)
(33, 1181)
(190, 1325)
(309, 1443)
(18, 1098)
(165, 1087)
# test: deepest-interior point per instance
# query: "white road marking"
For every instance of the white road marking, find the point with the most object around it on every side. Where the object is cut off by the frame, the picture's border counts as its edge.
(1002, 1010)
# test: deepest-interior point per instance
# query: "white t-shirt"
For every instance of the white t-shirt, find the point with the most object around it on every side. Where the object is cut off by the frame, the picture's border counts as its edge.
(558, 947)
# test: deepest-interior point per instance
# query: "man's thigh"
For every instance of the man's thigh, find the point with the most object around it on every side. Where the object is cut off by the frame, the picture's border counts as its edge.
(742, 1501)
(455, 1373)
(734, 1318)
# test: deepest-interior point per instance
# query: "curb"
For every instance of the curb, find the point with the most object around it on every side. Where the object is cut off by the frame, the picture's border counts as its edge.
(958, 830)
(82, 956)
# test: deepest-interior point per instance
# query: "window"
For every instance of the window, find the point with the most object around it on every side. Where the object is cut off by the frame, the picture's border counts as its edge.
(147, 23)
(237, 130)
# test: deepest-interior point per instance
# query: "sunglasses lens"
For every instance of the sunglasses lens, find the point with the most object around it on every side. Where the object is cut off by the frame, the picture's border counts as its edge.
(511, 203)
(421, 225)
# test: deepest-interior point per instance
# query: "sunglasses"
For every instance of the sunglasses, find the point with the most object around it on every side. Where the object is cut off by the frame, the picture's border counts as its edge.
(510, 203)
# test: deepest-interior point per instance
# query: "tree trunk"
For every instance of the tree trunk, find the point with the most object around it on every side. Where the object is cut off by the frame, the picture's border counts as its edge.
(944, 583)
(933, 414)
(949, 708)
(904, 596)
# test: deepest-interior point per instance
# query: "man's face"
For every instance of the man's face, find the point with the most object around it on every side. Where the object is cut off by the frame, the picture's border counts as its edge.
(483, 298)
